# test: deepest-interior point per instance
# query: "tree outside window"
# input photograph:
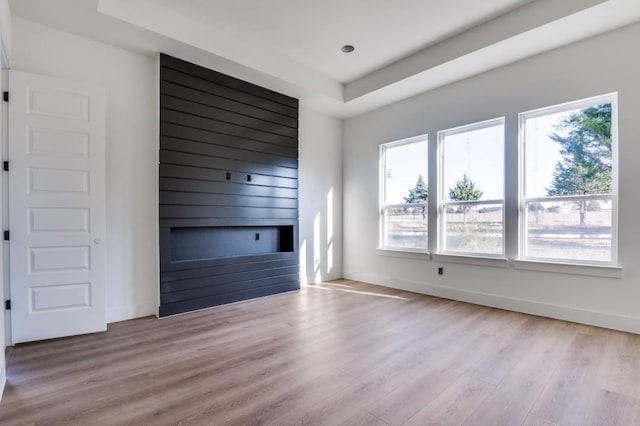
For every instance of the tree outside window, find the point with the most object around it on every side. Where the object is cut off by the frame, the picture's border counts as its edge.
(568, 199)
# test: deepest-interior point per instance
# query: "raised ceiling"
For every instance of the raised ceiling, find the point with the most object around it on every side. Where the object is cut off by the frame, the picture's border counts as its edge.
(403, 47)
(312, 32)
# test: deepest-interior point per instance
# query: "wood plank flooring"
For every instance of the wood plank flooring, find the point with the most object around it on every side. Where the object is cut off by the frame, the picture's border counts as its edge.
(340, 353)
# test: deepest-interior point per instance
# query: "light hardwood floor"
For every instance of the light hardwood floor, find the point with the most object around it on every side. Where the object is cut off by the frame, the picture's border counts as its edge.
(339, 353)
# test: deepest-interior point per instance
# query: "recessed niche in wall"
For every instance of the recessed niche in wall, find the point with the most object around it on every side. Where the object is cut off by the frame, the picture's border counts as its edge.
(213, 242)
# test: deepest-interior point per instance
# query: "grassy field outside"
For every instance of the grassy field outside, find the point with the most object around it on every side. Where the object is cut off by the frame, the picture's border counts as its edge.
(551, 233)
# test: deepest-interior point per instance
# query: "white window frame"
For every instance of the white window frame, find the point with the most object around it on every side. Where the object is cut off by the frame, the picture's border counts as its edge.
(382, 170)
(523, 202)
(442, 204)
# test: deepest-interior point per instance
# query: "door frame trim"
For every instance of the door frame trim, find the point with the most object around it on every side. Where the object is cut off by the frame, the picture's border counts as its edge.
(5, 320)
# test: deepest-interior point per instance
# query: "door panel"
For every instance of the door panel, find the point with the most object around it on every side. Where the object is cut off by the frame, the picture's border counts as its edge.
(58, 220)
(56, 207)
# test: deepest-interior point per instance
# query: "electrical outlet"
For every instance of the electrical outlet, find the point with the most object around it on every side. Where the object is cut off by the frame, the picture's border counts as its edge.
(440, 271)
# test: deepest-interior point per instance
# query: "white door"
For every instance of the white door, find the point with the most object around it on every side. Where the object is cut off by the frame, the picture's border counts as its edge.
(56, 207)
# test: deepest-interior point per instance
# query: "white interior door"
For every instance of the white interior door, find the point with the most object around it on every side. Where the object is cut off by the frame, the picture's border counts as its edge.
(56, 207)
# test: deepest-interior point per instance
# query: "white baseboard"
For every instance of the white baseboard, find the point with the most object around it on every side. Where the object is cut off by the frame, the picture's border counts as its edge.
(127, 312)
(567, 313)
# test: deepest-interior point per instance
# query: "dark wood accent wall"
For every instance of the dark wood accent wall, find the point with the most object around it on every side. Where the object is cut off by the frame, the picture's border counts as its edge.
(228, 177)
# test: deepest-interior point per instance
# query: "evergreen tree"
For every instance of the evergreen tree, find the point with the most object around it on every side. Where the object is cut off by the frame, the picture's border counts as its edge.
(465, 190)
(419, 195)
(585, 146)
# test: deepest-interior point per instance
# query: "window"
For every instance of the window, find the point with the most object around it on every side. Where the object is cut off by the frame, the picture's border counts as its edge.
(568, 182)
(403, 194)
(472, 189)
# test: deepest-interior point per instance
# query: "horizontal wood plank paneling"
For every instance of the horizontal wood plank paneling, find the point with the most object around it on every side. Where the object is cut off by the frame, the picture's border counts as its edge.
(205, 111)
(201, 289)
(235, 167)
(220, 280)
(196, 170)
(228, 87)
(213, 100)
(228, 158)
(198, 135)
(222, 264)
(203, 148)
(213, 221)
(202, 123)
(189, 185)
(189, 198)
(188, 212)
(228, 269)
(221, 299)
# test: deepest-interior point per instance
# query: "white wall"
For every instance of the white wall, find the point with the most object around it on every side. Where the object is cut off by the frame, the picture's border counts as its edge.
(320, 197)
(131, 153)
(608, 63)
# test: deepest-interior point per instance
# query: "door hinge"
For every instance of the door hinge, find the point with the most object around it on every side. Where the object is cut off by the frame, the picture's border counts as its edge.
(7, 304)
(5, 96)
(6, 235)
(5, 166)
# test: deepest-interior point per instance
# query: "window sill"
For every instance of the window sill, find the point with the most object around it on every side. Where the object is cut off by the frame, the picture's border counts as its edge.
(495, 262)
(404, 253)
(569, 268)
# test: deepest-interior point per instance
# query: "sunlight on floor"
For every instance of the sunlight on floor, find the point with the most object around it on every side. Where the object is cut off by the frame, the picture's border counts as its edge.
(348, 289)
